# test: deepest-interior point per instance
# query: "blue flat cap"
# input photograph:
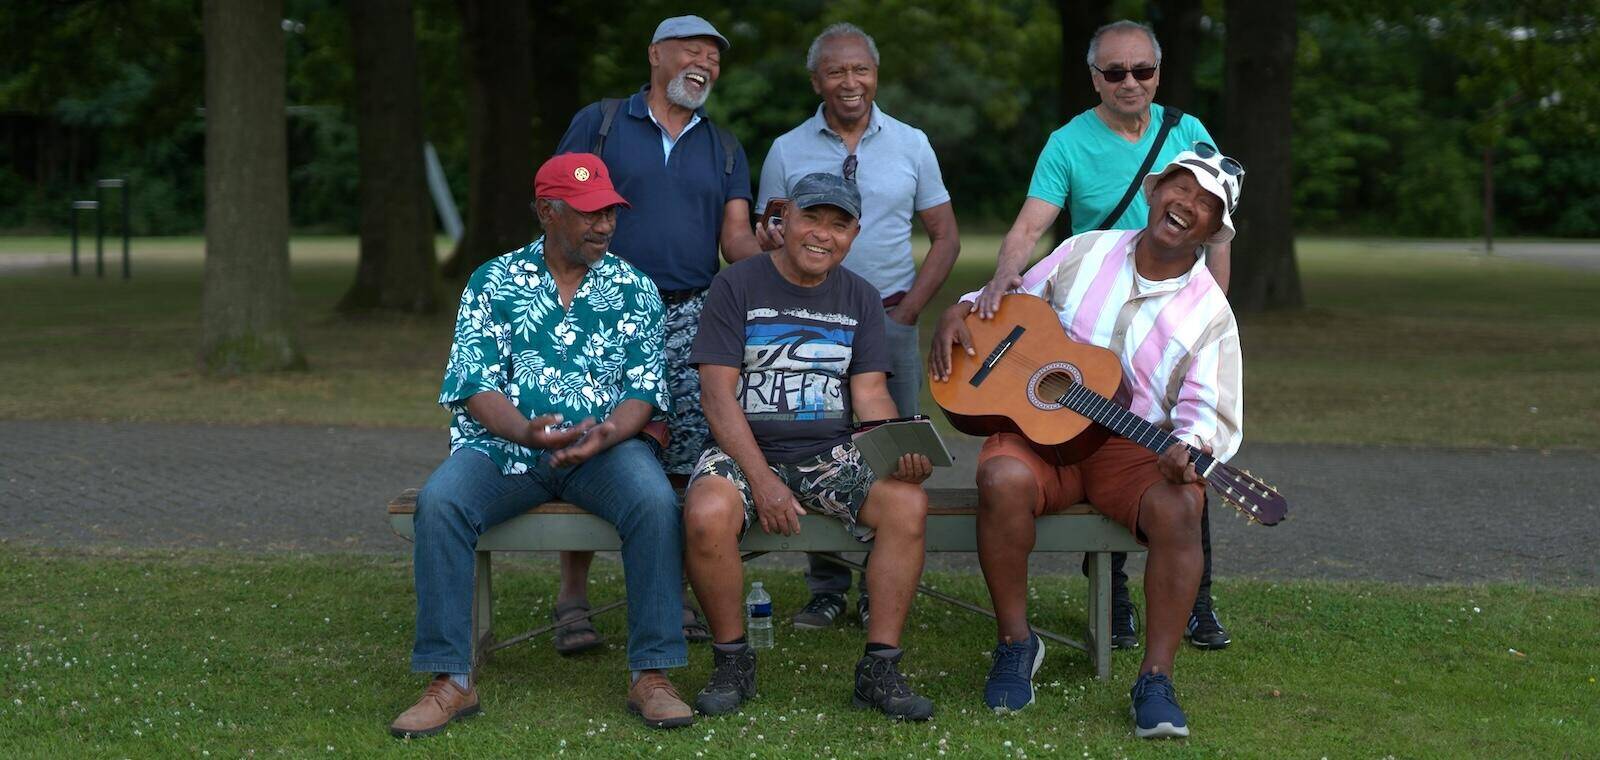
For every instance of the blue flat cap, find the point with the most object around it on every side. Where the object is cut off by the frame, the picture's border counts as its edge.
(824, 189)
(679, 27)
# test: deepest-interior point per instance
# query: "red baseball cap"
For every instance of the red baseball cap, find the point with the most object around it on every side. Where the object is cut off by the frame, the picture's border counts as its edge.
(580, 179)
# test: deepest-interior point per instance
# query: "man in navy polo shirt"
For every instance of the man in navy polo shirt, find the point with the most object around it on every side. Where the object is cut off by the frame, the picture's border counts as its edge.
(689, 187)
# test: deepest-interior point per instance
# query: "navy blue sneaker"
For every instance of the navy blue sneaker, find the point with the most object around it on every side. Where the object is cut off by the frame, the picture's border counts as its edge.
(1156, 714)
(1010, 684)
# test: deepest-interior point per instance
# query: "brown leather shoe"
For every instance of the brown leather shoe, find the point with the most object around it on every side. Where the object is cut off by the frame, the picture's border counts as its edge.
(443, 702)
(655, 701)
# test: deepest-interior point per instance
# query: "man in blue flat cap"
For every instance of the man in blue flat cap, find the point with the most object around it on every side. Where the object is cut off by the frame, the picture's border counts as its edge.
(688, 184)
(792, 347)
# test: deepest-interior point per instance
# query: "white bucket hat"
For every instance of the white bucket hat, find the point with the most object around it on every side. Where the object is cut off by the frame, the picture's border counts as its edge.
(1219, 175)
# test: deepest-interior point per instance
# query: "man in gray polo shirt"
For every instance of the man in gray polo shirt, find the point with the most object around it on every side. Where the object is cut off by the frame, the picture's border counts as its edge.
(898, 175)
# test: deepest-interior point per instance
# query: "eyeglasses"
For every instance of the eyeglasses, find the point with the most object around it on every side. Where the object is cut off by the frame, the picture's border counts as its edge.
(849, 169)
(1204, 149)
(1117, 75)
(590, 218)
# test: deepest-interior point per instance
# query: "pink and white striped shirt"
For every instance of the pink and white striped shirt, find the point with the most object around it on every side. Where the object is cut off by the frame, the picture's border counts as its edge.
(1177, 338)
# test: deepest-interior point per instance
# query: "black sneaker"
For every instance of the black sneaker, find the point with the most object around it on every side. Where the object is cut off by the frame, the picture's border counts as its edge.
(1124, 621)
(733, 680)
(863, 610)
(820, 612)
(1124, 615)
(880, 685)
(1205, 630)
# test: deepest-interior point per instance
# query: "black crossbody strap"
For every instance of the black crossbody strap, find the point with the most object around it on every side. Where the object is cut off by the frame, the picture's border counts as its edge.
(1169, 119)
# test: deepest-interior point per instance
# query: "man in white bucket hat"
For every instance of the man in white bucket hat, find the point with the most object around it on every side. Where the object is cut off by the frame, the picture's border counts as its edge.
(1217, 174)
(1148, 297)
(1091, 169)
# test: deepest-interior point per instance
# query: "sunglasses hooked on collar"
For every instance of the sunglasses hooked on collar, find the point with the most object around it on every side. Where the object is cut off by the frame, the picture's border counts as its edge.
(1113, 76)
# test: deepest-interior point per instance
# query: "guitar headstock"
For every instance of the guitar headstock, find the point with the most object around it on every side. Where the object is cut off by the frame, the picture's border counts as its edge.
(1256, 500)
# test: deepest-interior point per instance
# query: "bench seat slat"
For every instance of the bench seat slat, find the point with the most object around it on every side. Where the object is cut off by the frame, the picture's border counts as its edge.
(941, 501)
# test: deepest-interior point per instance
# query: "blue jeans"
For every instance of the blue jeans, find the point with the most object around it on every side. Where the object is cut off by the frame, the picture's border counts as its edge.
(624, 485)
(905, 387)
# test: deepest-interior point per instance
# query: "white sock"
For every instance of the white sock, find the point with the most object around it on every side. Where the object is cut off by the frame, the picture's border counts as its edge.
(462, 680)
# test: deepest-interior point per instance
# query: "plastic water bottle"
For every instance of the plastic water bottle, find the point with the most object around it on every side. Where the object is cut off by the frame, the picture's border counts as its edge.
(758, 621)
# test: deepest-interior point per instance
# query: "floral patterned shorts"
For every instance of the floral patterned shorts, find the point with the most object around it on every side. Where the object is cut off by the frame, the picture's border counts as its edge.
(833, 483)
(686, 420)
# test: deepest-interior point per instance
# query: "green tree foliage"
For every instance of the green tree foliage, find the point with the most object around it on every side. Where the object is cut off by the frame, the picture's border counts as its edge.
(1394, 100)
(100, 89)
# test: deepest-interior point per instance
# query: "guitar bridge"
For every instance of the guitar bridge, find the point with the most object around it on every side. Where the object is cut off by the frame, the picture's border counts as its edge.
(994, 356)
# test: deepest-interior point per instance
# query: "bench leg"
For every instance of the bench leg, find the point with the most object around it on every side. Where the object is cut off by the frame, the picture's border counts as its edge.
(1100, 613)
(482, 611)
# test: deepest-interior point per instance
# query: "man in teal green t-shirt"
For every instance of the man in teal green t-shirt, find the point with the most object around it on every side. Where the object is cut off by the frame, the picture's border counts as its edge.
(1086, 167)
(1088, 164)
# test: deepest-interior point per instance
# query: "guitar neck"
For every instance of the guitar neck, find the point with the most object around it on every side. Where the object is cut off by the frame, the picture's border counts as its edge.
(1131, 426)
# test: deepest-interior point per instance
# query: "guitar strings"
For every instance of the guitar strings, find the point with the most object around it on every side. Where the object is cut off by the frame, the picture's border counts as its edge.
(1025, 366)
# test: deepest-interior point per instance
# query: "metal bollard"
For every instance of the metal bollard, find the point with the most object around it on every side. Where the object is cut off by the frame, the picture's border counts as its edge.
(79, 206)
(127, 271)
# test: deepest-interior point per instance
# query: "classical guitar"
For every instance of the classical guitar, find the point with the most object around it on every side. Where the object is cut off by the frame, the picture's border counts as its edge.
(1029, 378)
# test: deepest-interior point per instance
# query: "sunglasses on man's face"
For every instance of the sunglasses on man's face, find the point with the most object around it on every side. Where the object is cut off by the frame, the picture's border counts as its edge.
(1116, 75)
(1207, 150)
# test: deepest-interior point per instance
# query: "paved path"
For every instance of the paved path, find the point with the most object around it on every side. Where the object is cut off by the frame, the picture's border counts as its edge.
(1398, 514)
(1581, 255)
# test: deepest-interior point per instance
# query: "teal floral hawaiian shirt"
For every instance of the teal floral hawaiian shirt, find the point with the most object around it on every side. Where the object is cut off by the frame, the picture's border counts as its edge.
(514, 336)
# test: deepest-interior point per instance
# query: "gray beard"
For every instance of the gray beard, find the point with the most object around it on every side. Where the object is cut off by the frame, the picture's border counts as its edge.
(678, 92)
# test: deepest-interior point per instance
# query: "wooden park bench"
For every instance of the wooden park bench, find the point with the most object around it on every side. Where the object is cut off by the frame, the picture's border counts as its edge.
(952, 527)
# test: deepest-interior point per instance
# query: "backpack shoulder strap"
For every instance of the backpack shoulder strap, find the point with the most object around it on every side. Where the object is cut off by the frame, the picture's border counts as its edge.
(609, 108)
(729, 146)
(1169, 119)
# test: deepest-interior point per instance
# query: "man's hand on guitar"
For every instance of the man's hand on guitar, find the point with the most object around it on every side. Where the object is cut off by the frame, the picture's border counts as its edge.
(1175, 465)
(952, 330)
(989, 300)
(776, 506)
(913, 468)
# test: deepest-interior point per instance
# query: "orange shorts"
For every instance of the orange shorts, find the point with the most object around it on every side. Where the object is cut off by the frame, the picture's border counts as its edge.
(1113, 479)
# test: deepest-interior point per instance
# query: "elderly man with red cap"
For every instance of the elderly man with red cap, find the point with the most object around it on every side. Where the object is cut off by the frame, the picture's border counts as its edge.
(1147, 296)
(555, 370)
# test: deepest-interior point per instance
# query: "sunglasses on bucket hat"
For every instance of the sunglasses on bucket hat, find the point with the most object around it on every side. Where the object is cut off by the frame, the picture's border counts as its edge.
(1204, 149)
(1116, 75)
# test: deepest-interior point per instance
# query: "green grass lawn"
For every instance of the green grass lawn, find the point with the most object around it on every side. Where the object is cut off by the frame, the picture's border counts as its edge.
(200, 654)
(1396, 347)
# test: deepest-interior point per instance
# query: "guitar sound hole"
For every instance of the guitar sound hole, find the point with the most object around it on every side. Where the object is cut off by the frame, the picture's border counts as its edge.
(1048, 383)
(1054, 385)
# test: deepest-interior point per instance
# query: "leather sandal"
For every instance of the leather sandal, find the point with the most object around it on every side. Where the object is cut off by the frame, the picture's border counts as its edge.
(578, 636)
(695, 630)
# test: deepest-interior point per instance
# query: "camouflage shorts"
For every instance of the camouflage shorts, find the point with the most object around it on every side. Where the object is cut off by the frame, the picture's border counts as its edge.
(686, 420)
(833, 483)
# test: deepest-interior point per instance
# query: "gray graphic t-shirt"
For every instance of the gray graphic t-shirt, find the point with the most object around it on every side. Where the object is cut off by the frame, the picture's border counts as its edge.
(796, 349)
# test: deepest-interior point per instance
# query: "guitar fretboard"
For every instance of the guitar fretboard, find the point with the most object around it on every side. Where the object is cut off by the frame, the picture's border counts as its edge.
(1130, 426)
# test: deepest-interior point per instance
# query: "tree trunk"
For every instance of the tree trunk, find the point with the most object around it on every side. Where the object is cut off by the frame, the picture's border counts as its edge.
(561, 63)
(246, 302)
(1079, 19)
(397, 267)
(1177, 25)
(497, 41)
(1259, 80)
